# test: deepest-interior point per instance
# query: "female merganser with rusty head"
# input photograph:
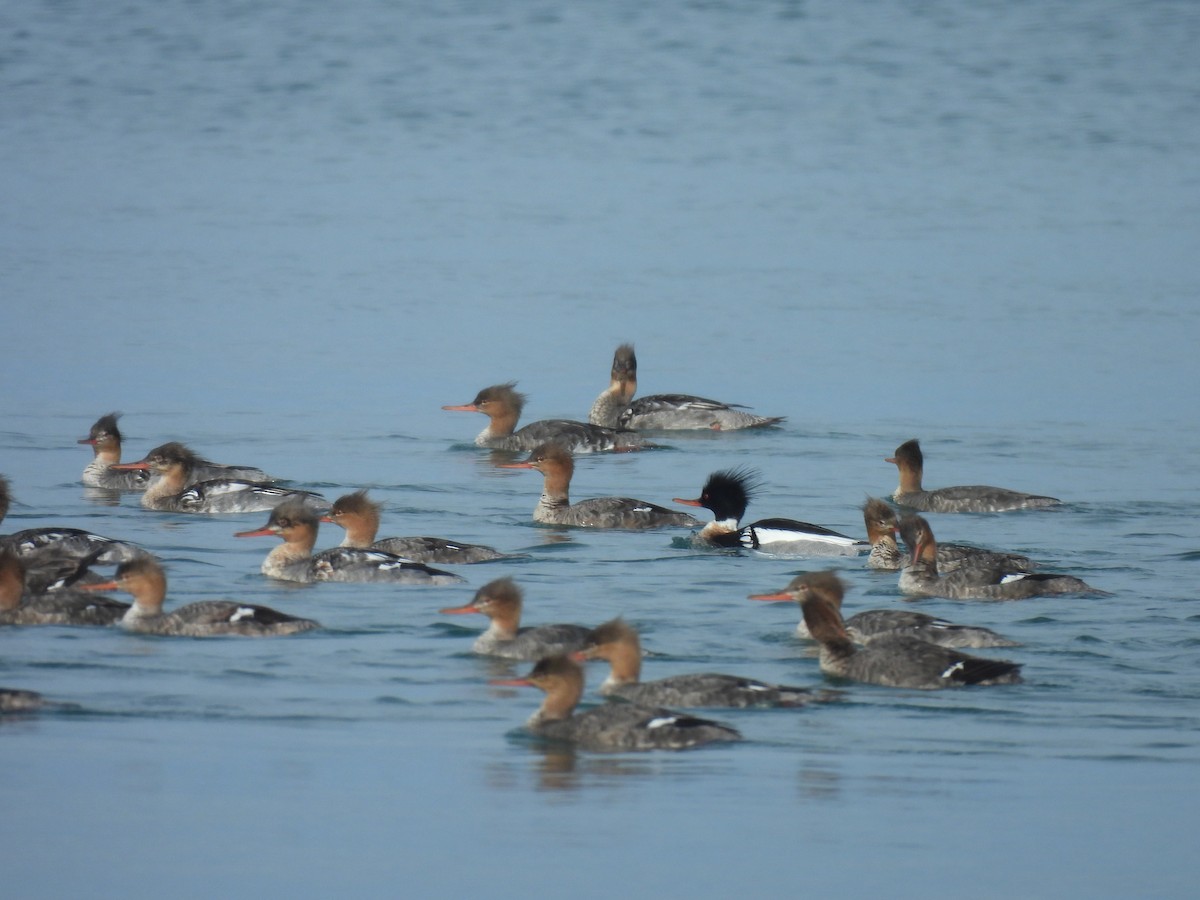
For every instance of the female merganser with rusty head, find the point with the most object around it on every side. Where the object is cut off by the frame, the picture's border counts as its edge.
(979, 581)
(146, 581)
(555, 507)
(105, 440)
(618, 643)
(612, 727)
(727, 494)
(501, 601)
(892, 660)
(19, 606)
(172, 488)
(965, 498)
(616, 408)
(293, 560)
(359, 515)
(871, 624)
(502, 404)
(885, 554)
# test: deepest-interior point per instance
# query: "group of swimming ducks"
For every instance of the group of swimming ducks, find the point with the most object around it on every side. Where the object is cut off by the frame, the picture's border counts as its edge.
(46, 574)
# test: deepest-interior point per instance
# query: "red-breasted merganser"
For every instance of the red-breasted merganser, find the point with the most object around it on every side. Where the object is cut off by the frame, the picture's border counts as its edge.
(555, 507)
(146, 581)
(293, 560)
(49, 551)
(616, 408)
(881, 522)
(965, 498)
(105, 440)
(501, 601)
(618, 643)
(727, 494)
(172, 489)
(892, 660)
(870, 624)
(982, 581)
(19, 606)
(502, 404)
(613, 726)
(359, 515)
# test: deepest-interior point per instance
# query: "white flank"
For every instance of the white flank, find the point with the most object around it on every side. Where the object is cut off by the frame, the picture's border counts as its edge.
(784, 536)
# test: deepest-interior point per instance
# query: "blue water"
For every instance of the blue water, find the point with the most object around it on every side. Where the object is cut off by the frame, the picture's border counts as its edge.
(289, 234)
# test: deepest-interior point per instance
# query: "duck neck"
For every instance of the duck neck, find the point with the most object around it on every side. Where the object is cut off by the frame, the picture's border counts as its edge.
(504, 625)
(608, 407)
(501, 423)
(625, 660)
(360, 531)
(556, 497)
(827, 628)
(559, 703)
(910, 479)
(885, 552)
(165, 484)
(718, 528)
(148, 599)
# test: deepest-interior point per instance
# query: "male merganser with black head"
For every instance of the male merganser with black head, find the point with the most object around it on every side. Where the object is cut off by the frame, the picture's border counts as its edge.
(612, 727)
(965, 498)
(502, 404)
(616, 408)
(105, 440)
(293, 560)
(727, 494)
(618, 643)
(501, 602)
(871, 624)
(173, 490)
(19, 606)
(980, 581)
(359, 515)
(47, 552)
(555, 507)
(881, 522)
(892, 660)
(146, 581)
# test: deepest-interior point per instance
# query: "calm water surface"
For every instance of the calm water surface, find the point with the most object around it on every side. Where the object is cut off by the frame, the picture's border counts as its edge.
(289, 234)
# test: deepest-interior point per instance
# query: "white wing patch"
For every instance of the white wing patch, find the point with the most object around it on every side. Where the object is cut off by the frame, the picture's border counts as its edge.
(661, 722)
(242, 612)
(957, 667)
(1016, 576)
